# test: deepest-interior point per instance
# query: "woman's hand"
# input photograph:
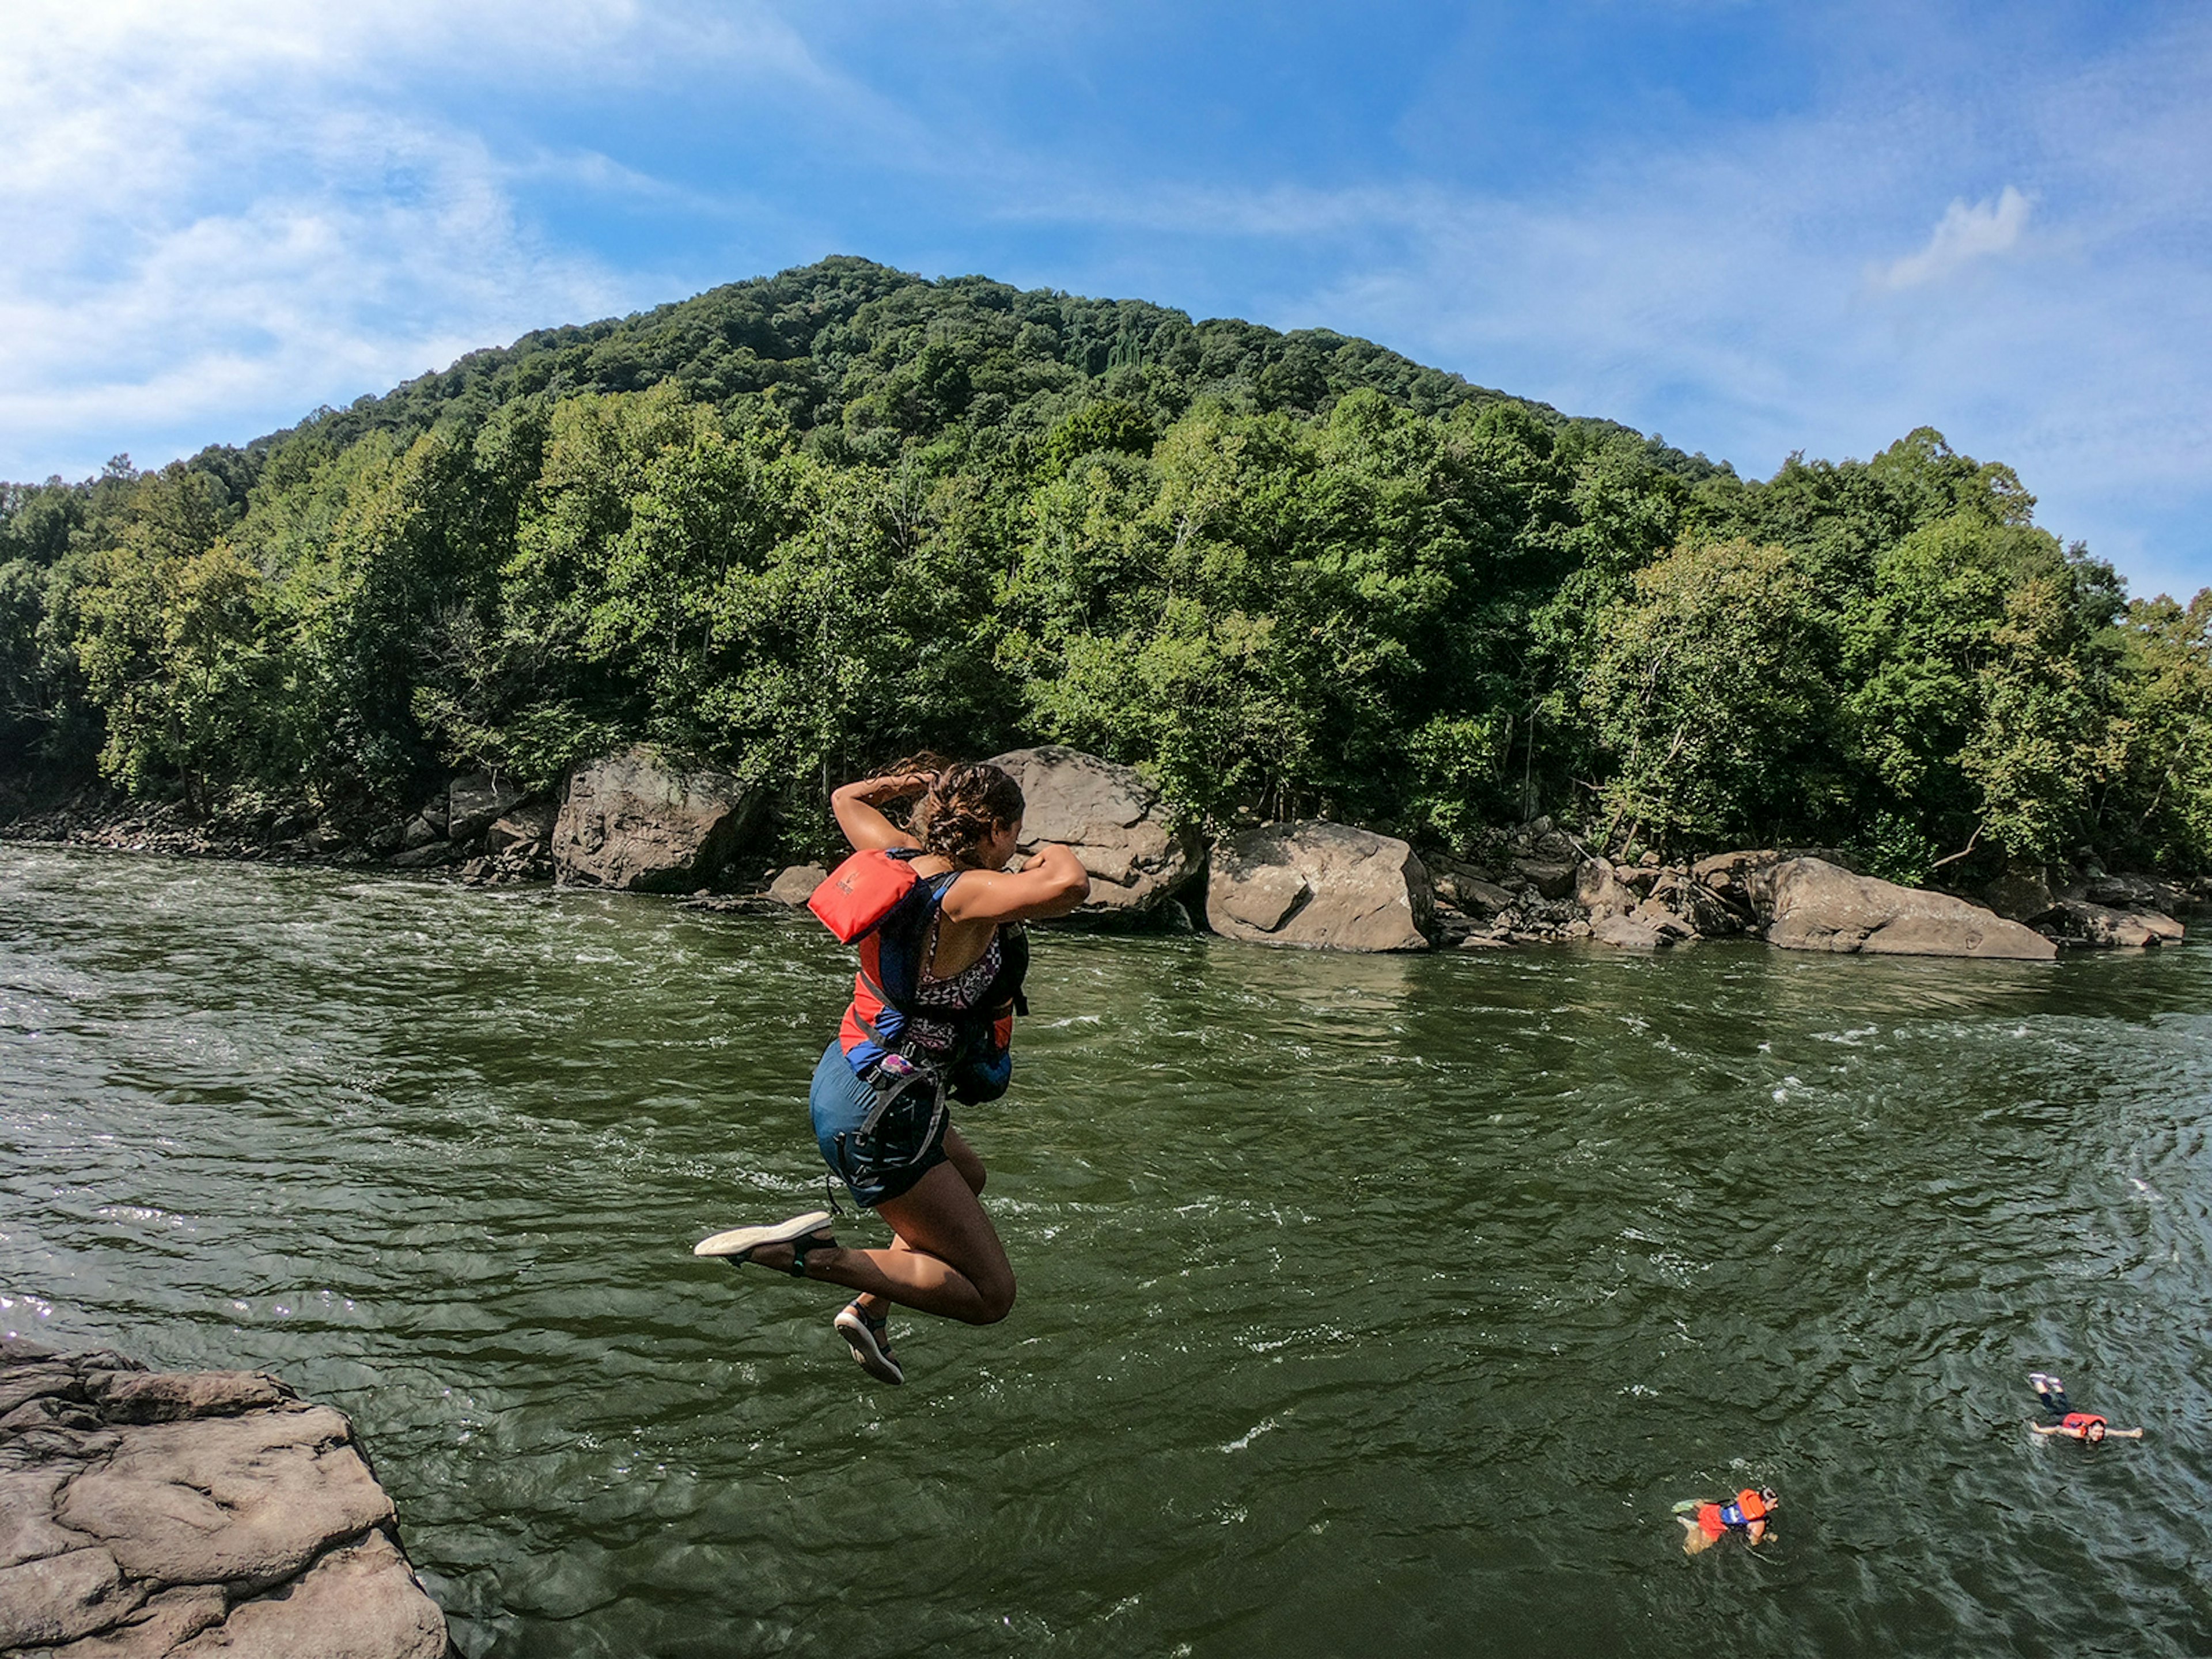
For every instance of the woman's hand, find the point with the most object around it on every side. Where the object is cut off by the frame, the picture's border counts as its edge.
(894, 786)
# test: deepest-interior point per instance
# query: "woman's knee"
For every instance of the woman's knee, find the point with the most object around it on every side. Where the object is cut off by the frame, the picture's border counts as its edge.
(994, 1299)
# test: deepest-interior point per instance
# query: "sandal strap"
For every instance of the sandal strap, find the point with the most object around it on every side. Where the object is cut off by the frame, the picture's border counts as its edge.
(799, 1246)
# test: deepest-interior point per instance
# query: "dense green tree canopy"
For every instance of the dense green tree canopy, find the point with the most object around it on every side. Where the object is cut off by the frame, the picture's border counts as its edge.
(799, 524)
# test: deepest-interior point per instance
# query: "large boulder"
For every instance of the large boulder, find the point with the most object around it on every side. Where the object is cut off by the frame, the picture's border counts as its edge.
(795, 884)
(639, 821)
(144, 1515)
(2126, 892)
(1809, 904)
(1320, 886)
(1112, 820)
(1554, 879)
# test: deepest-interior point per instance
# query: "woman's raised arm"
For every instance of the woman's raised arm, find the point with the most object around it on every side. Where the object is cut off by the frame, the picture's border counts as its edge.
(1051, 883)
(860, 816)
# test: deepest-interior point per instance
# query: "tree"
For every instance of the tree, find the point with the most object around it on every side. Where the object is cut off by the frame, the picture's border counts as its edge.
(1712, 693)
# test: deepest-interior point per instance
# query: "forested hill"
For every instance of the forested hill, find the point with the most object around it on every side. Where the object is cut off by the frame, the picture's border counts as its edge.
(881, 358)
(796, 527)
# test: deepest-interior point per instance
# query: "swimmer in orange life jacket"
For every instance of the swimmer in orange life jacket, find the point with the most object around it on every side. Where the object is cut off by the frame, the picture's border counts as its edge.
(1706, 1523)
(2085, 1427)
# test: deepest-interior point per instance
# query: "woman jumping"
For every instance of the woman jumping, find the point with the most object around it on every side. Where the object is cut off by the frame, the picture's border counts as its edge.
(942, 956)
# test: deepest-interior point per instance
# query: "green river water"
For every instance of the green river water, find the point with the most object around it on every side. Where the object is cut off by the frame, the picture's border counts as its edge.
(1368, 1305)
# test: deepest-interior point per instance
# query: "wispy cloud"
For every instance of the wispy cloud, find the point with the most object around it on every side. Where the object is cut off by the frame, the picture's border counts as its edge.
(1965, 235)
(213, 217)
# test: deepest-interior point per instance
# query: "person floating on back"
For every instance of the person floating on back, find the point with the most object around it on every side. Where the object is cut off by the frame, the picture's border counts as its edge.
(1705, 1522)
(937, 919)
(2080, 1425)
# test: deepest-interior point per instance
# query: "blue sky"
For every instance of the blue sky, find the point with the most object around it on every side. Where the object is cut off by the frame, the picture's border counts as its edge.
(1754, 229)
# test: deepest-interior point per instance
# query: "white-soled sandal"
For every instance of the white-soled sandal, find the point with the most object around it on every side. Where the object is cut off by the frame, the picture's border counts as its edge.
(802, 1232)
(871, 1342)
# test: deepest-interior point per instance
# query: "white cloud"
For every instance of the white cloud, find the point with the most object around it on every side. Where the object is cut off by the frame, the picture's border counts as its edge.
(1964, 234)
(214, 216)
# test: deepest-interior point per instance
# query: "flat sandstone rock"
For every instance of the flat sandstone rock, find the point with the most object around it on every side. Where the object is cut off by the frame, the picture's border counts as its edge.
(145, 1515)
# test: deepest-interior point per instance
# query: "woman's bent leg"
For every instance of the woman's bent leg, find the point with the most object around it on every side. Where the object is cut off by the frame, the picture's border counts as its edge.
(948, 1261)
(961, 1156)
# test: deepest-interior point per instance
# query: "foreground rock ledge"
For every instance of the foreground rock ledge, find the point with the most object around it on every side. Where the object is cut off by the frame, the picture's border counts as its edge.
(146, 1513)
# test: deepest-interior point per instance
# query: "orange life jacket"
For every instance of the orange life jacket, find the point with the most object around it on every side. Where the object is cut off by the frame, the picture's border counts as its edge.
(877, 900)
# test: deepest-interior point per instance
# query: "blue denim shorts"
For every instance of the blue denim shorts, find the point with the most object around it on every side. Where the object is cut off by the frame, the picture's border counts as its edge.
(906, 1144)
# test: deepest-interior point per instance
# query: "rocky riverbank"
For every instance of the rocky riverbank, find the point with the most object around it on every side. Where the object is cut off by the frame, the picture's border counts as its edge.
(147, 1514)
(638, 820)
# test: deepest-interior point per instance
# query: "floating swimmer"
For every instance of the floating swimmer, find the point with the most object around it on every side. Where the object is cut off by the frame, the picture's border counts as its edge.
(1705, 1523)
(2078, 1425)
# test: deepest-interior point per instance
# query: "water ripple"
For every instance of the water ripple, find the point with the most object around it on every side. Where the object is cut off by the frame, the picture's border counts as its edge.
(1376, 1304)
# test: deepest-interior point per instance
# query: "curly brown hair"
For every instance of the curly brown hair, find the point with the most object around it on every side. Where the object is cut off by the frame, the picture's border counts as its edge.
(967, 803)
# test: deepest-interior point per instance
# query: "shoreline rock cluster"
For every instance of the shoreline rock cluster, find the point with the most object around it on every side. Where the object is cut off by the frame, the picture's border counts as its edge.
(641, 821)
(150, 1514)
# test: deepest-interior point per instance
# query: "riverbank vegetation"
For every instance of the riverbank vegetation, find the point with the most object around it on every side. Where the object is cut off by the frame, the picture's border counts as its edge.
(800, 524)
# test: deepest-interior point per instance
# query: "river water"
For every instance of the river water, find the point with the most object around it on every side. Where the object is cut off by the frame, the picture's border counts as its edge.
(1368, 1305)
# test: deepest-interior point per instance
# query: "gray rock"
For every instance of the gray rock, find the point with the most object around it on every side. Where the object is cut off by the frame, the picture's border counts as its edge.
(57, 1598)
(475, 803)
(2021, 894)
(1554, 879)
(155, 1630)
(1113, 821)
(640, 822)
(1730, 876)
(1656, 914)
(419, 832)
(1812, 905)
(1600, 890)
(2126, 892)
(1467, 889)
(168, 1396)
(2097, 926)
(1319, 886)
(1626, 932)
(425, 858)
(359, 1602)
(796, 884)
(249, 1500)
(145, 1515)
(524, 827)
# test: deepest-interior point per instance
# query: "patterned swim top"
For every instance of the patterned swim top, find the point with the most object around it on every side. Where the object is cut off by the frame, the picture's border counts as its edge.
(957, 994)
